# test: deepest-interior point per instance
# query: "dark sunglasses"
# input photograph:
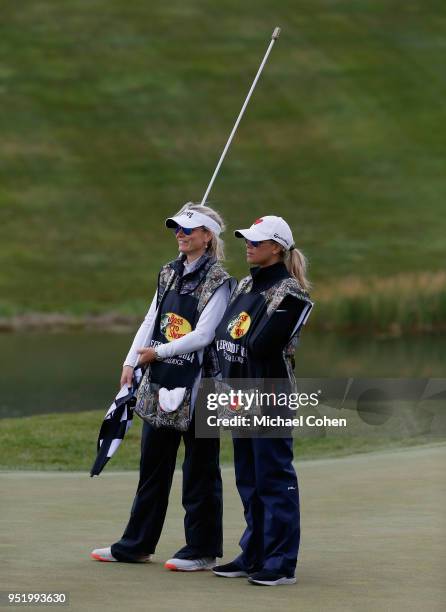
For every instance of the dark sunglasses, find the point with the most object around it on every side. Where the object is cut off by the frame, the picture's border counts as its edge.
(254, 243)
(186, 230)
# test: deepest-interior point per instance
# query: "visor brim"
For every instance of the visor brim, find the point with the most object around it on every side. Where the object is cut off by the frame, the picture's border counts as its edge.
(173, 222)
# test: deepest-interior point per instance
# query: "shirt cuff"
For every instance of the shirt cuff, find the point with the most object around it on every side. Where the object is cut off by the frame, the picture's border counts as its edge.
(161, 350)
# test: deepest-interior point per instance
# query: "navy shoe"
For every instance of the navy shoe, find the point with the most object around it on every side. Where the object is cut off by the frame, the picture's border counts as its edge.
(230, 570)
(268, 578)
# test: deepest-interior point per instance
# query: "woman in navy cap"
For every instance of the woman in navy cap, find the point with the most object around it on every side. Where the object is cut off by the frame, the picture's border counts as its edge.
(256, 338)
(176, 339)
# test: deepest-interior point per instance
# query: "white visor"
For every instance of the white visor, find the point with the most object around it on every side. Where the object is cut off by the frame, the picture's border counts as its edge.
(191, 219)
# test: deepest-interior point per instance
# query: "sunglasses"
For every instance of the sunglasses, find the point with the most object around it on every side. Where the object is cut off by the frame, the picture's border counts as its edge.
(187, 231)
(255, 243)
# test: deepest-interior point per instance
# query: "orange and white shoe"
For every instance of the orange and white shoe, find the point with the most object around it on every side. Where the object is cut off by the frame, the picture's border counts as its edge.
(190, 565)
(104, 554)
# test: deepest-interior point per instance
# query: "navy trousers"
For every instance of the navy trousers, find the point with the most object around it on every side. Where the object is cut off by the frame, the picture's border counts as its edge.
(267, 484)
(202, 496)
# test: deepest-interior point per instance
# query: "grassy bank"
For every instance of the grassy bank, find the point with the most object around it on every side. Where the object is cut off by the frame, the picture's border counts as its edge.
(114, 113)
(68, 442)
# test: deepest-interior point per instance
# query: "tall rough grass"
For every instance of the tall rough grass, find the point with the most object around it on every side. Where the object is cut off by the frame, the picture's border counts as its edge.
(404, 303)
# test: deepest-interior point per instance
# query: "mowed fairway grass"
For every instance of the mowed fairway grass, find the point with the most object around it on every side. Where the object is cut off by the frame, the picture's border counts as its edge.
(114, 113)
(373, 539)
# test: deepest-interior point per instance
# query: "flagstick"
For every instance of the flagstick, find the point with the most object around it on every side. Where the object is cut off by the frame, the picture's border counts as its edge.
(274, 37)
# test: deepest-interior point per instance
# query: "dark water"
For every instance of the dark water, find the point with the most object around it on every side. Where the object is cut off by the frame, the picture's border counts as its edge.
(44, 372)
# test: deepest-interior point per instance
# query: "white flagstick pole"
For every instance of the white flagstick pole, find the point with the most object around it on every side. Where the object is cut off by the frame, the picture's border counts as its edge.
(274, 37)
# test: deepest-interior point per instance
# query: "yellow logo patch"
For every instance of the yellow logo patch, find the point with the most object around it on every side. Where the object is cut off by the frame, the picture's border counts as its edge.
(239, 325)
(173, 326)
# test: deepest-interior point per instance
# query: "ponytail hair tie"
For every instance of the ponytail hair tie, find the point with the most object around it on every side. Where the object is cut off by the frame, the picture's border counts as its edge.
(292, 247)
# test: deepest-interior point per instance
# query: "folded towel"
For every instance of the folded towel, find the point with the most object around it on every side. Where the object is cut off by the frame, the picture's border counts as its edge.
(170, 399)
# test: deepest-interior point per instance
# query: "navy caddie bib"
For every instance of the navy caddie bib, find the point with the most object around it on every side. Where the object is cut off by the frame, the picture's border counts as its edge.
(177, 316)
(233, 333)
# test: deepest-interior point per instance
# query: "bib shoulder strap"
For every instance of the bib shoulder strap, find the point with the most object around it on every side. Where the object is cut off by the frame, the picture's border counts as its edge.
(166, 278)
(244, 286)
(215, 277)
(288, 286)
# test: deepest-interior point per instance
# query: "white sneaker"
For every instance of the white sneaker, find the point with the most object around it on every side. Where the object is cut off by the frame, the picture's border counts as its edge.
(190, 565)
(104, 554)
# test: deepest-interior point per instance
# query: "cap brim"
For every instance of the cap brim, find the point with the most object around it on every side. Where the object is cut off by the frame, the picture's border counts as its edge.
(250, 234)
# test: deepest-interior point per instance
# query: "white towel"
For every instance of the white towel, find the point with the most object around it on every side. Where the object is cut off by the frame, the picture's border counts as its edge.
(170, 399)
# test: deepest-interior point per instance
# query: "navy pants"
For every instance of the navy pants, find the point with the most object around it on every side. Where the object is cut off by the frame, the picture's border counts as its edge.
(202, 496)
(267, 484)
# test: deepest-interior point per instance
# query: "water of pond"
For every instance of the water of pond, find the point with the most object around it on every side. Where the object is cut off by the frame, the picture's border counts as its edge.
(67, 372)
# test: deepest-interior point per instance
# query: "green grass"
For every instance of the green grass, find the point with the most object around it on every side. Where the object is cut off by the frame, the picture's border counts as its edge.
(114, 113)
(399, 304)
(68, 442)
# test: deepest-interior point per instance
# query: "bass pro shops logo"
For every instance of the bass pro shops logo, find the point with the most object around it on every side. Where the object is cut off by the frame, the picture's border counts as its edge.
(239, 325)
(173, 326)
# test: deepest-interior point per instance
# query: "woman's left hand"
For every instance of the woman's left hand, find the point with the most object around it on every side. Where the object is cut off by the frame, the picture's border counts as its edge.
(146, 355)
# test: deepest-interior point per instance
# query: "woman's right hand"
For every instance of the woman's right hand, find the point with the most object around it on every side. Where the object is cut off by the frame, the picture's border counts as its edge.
(126, 376)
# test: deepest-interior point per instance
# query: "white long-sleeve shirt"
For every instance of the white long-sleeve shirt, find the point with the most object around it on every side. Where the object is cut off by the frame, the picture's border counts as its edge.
(143, 335)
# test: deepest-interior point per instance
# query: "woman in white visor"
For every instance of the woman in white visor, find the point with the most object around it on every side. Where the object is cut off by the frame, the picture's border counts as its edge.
(256, 339)
(176, 340)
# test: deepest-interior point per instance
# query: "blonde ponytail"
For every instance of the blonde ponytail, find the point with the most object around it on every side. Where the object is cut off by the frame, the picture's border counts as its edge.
(296, 264)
